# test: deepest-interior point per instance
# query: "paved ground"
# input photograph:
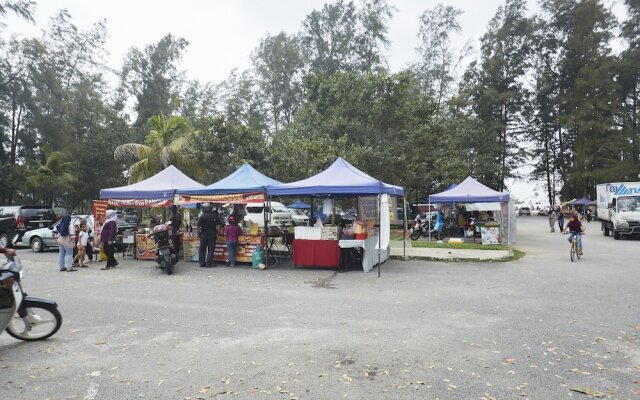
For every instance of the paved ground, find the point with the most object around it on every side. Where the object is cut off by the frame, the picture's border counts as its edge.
(534, 328)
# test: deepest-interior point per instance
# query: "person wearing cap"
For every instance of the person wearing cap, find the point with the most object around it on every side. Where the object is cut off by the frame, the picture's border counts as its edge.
(232, 231)
(108, 238)
(207, 227)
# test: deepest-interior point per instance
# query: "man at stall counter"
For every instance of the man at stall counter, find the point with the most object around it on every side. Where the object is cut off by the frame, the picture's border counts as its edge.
(207, 228)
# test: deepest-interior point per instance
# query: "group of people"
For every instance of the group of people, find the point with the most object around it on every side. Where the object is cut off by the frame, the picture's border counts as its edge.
(207, 229)
(74, 244)
(574, 226)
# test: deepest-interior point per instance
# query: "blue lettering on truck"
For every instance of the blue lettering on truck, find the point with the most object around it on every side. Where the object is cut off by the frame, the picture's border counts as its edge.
(622, 190)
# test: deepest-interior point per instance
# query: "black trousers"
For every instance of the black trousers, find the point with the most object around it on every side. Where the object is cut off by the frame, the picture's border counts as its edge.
(89, 250)
(109, 249)
(207, 247)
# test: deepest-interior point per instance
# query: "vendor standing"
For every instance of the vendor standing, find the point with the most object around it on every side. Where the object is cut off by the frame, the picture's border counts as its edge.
(207, 230)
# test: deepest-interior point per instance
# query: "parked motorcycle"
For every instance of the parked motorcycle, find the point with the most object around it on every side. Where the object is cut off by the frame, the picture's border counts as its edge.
(165, 253)
(421, 228)
(24, 317)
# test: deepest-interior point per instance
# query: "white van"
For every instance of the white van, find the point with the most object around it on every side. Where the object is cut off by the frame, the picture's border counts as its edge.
(280, 215)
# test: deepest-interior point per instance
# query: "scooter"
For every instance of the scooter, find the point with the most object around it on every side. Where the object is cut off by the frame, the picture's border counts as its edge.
(24, 317)
(165, 254)
(420, 227)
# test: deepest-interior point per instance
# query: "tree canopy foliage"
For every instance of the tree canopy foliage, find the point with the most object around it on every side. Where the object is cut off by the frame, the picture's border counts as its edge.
(556, 90)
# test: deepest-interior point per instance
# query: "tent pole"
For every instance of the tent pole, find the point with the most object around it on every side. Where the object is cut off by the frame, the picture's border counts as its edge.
(429, 218)
(379, 232)
(266, 230)
(404, 231)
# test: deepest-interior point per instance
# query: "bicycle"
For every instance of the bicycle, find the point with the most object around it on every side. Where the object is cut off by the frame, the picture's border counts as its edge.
(574, 252)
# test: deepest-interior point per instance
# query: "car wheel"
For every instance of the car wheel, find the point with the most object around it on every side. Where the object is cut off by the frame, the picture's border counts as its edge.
(36, 245)
(4, 240)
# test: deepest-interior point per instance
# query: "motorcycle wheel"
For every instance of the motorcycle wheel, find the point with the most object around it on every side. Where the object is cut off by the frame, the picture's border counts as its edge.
(166, 263)
(415, 235)
(43, 321)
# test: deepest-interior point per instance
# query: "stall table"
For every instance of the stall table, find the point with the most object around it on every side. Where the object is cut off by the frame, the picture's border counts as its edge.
(246, 246)
(370, 254)
(316, 253)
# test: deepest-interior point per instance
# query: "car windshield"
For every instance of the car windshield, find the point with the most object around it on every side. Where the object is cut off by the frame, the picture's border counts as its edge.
(629, 203)
(37, 212)
(279, 209)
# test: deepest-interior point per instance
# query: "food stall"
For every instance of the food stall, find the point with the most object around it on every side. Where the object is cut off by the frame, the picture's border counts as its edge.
(155, 191)
(245, 185)
(502, 227)
(314, 246)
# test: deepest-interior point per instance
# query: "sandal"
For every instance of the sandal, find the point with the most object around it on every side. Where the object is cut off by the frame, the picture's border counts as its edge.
(72, 269)
(105, 268)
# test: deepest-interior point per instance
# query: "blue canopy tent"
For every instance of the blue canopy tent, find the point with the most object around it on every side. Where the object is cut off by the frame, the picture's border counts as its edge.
(162, 185)
(299, 205)
(245, 179)
(340, 179)
(580, 202)
(471, 191)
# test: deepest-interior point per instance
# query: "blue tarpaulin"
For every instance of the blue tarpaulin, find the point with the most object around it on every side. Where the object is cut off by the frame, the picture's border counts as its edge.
(245, 179)
(160, 186)
(469, 191)
(580, 202)
(340, 178)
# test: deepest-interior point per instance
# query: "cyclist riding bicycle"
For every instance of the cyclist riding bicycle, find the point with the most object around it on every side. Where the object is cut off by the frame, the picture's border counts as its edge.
(575, 228)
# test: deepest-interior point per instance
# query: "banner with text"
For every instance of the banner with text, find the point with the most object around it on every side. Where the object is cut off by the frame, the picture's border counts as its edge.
(233, 198)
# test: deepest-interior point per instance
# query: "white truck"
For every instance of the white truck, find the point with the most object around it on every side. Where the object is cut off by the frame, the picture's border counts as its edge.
(619, 208)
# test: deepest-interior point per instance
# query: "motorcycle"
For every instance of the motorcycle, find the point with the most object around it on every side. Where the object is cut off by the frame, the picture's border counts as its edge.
(24, 317)
(165, 253)
(421, 228)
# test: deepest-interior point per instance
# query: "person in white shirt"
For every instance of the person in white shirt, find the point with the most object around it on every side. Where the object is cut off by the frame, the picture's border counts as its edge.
(83, 238)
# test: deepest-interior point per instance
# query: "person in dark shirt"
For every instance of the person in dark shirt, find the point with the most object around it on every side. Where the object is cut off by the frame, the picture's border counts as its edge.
(108, 239)
(207, 226)
(575, 228)
(176, 225)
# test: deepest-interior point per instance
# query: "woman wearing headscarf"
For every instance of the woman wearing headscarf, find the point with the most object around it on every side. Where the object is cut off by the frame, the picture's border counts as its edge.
(108, 239)
(65, 244)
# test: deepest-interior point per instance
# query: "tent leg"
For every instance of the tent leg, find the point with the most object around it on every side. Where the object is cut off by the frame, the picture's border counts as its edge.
(379, 232)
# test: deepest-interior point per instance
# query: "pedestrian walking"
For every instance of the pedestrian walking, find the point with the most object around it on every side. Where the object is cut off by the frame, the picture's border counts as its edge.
(108, 238)
(552, 219)
(65, 244)
(207, 227)
(560, 219)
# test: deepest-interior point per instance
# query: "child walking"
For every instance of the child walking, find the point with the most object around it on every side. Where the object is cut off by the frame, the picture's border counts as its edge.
(83, 238)
(232, 231)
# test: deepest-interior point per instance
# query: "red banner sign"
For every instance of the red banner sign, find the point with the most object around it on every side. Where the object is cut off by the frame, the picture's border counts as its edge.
(235, 198)
(139, 202)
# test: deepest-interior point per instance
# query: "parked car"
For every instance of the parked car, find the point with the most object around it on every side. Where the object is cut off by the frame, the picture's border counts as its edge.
(299, 217)
(29, 217)
(8, 231)
(524, 211)
(42, 238)
(280, 215)
(543, 212)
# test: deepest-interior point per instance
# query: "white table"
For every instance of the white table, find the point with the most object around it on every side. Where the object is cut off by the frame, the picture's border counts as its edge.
(370, 253)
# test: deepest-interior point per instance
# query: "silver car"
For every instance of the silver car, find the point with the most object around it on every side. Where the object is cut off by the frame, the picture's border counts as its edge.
(42, 238)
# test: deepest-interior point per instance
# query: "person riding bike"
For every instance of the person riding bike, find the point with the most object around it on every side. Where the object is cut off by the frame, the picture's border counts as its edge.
(575, 228)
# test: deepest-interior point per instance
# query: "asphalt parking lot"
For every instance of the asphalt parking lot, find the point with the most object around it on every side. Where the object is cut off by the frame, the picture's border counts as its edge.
(540, 327)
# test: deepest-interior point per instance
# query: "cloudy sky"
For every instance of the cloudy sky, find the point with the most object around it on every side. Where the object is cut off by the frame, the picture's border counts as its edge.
(222, 34)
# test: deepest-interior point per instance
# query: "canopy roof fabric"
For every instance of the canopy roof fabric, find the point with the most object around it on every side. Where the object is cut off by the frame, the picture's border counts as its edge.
(160, 186)
(299, 205)
(483, 207)
(469, 191)
(340, 178)
(245, 179)
(580, 202)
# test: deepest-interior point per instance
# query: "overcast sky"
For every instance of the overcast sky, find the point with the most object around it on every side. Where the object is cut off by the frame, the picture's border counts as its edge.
(222, 34)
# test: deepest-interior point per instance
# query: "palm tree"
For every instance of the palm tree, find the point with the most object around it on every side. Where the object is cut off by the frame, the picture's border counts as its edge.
(51, 178)
(164, 146)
